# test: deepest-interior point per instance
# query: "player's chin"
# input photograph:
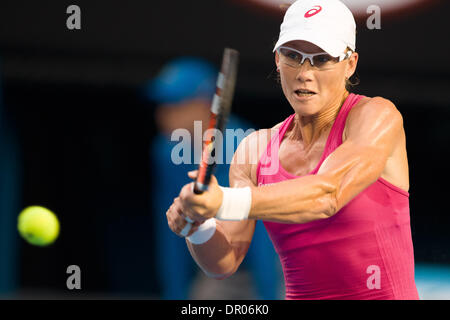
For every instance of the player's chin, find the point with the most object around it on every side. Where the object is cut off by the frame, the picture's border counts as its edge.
(306, 108)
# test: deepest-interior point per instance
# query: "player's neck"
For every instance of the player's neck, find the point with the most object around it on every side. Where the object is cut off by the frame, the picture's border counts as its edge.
(310, 129)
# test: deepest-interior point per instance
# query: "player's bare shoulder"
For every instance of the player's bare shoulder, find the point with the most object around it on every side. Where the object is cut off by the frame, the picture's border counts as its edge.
(371, 109)
(383, 115)
(248, 153)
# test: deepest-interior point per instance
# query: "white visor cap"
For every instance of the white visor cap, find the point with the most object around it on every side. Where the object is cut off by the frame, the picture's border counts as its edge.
(328, 24)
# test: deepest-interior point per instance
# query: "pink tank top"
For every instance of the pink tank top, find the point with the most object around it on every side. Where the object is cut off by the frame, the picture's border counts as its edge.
(364, 251)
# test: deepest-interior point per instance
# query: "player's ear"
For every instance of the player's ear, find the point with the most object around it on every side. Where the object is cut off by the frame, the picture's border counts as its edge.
(351, 65)
(277, 60)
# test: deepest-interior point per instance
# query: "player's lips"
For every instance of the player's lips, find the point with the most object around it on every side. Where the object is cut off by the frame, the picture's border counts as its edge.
(304, 93)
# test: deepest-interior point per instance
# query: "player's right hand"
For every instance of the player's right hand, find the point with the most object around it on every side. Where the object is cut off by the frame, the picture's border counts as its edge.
(177, 220)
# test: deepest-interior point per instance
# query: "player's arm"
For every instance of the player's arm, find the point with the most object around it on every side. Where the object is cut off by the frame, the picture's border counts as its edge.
(221, 255)
(373, 129)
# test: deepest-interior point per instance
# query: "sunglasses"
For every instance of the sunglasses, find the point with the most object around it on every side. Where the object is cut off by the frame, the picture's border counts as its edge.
(295, 58)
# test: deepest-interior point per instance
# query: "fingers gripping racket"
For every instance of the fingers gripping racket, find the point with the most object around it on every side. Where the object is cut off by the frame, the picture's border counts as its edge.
(220, 109)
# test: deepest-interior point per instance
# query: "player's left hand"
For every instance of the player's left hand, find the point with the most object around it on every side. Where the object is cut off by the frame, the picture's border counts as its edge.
(200, 207)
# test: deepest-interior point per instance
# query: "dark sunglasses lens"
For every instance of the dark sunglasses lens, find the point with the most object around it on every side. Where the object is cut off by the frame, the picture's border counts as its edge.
(291, 55)
(322, 60)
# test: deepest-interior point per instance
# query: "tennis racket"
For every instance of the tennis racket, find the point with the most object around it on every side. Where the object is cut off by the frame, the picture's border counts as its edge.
(220, 109)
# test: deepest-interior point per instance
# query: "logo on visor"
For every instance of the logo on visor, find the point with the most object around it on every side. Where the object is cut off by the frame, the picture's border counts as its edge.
(315, 10)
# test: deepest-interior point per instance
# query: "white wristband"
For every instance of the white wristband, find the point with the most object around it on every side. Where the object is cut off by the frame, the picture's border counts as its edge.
(236, 204)
(204, 232)
(186, 229)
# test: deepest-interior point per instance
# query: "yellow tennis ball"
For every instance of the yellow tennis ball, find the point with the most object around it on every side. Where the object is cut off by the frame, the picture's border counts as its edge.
(38, 225)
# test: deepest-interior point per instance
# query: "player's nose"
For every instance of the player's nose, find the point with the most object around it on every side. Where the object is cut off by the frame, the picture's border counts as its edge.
(304, 71)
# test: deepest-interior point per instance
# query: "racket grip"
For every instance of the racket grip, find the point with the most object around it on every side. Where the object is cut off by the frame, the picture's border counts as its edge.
(199, 188)
(202, 181)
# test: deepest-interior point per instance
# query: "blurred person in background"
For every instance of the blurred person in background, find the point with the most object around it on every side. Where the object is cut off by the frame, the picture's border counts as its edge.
(182, 92)
(9, 203)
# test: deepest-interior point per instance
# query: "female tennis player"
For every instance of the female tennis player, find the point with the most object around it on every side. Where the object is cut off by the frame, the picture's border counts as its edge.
(331, 184)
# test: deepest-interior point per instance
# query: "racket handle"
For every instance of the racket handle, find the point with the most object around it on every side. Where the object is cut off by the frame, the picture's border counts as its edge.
(220, 109)
(199, 188)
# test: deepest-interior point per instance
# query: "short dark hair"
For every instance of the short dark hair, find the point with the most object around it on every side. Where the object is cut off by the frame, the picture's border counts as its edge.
(349, 83)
